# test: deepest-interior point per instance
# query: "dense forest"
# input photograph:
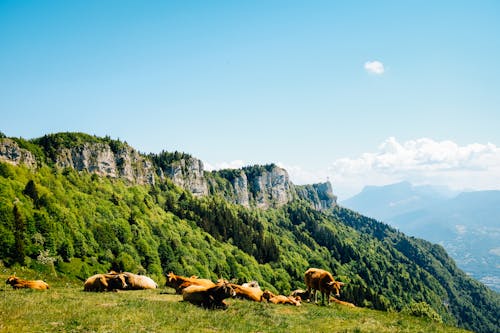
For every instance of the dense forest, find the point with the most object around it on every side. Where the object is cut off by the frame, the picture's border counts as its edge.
(64, 221)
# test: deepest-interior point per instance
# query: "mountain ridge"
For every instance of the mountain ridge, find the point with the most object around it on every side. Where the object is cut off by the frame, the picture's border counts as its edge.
(261, 186)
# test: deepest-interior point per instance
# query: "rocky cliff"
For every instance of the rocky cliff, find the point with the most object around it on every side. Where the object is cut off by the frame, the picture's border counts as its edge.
(99, 158)
(11, 152)
(187, 173)
(320, 195)
(260, 186)
(268, 186)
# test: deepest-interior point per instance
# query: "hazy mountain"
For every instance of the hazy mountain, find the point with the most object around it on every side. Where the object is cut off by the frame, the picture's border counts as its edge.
(384, 202)
(467, 225)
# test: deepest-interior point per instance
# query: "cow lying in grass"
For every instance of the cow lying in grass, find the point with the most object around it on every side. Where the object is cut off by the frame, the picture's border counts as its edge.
(209, 297)
(179, 282)
(137, 282)
(246, 292)
(18, 283)
(280, 299)
(333, 299)
(105, 282)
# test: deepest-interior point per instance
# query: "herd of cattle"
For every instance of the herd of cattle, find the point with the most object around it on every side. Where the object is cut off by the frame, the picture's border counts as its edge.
(205, 292)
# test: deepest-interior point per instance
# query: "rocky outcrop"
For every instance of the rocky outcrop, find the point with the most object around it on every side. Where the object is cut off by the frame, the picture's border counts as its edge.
(100, 159)
(260, 186)
(319, 195)
(269, 186)
(187, 173)
(10, 152)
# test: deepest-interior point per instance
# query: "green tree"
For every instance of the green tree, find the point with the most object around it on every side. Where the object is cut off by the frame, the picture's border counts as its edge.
(19, 229)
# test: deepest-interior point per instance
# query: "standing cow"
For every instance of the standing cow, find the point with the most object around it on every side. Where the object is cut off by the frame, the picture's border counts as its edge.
(318, 279)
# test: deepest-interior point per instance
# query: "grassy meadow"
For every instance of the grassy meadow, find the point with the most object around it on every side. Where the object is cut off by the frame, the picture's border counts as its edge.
(66, 308)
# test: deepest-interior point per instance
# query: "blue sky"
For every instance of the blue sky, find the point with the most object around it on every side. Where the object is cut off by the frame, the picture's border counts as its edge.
(236, 83)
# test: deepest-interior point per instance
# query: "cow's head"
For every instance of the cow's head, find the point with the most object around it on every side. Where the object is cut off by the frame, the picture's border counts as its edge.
(171, 280)
(119, 281)
(334, 286)
(266, 295)
(12, 279)
(223, 290)
(171, 277)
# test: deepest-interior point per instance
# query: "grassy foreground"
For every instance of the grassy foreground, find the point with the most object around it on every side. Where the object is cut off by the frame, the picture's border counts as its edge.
(66, 308)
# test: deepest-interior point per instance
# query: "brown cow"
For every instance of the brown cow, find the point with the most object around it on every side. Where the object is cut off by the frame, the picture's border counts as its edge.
(105, 282)
(209, 297)
(333, 299)
(318, 279)
(180, 282)
(280, 299)
(250, 293)
(18, 283)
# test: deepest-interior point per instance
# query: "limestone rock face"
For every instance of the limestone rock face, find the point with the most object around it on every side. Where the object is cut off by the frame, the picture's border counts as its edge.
(11, 152)
(319, 195)
(188, 173)
(260, 186)
(98, 158)
(241, 190)
(270, 186)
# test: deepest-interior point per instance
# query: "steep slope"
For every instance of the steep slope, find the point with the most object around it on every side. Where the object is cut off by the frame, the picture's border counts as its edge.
(78, 222)
(468, 226)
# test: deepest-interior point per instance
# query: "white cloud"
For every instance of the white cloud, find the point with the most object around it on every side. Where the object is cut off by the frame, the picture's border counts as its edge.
(236, 164)
(422, 161)
(374, 67)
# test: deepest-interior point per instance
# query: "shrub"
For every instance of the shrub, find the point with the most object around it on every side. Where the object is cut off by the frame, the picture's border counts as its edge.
(422, 309)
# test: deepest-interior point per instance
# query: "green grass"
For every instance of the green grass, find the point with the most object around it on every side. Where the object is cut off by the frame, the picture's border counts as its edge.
(66, 308)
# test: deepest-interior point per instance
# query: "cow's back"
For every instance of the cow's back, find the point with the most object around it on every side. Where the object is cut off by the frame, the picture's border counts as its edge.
(38, 284)
(318, 279)
(96, 282)
(139, 281)
(194, 294)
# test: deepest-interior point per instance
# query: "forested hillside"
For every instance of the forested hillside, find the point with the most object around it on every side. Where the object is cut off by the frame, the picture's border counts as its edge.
(59, 220)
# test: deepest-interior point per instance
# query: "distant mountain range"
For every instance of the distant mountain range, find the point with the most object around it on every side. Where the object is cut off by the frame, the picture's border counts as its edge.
(467, 224)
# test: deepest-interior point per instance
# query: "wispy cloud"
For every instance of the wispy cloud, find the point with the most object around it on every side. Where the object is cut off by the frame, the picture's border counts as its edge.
(236, 164)
(375, 67)
(421, 161)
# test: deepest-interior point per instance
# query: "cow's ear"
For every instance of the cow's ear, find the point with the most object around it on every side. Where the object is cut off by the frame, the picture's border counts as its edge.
(331, 283)
(341, 283)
